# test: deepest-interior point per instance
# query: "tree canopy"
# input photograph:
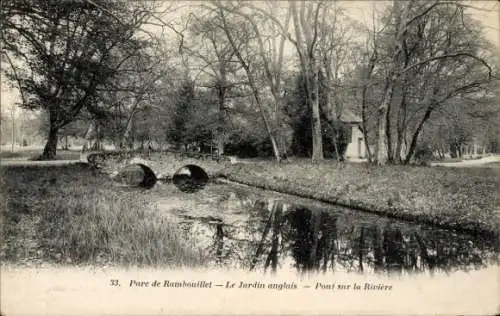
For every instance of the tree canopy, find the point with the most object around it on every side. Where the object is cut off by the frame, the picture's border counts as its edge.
(421, 75)
(61, 53)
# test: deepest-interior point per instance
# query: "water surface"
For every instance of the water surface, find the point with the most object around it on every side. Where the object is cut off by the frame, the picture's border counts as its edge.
(255, 230)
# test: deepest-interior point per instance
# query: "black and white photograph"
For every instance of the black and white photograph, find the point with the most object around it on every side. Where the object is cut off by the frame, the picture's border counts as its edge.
(249, 157)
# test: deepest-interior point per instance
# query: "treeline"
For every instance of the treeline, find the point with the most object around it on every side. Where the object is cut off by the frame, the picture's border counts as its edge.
(272, 79)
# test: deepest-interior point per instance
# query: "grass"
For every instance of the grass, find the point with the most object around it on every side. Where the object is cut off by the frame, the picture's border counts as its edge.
(13, 154)
(34, 154)
(61, 155)
(464, 199)
(495, 164)
(74, 215)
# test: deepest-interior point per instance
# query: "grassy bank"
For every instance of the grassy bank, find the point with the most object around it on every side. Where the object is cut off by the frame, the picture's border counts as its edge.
(465, 199)
(73, 215)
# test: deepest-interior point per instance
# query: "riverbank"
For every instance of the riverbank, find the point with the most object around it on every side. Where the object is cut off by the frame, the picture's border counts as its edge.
(73, 215)
(465, 199)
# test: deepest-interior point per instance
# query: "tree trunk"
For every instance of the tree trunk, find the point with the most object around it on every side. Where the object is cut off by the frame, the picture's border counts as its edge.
(317, 153)
(310, 68)
(363, 115)
(335, 144)
(97, 143)
(221, 114)
(384, 142)
(13, 137)
(50, 149)
(334, 119)
(220, 144)
(280, 134)
(258, 100)
(126, 137)
(388, 131)
(276, 149)
(401, 128)
(382, 157)
(317, 140)
(413, 144)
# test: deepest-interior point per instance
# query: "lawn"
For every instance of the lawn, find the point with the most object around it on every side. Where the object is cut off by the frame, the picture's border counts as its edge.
(74, 215)
(465, 199)
(495, 165)
(34, 154)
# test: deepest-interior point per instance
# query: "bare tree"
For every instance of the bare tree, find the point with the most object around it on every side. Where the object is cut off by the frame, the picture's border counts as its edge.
(207, 44)
(321, 46)
(370, 60)
(306, 23)
(333, 51)
(271, 58)
(228, 14)
(432, 55)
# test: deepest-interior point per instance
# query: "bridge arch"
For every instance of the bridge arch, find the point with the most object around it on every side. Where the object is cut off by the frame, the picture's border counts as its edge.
(148, 177)
(149, 180)
(190, 178)
(188, 174)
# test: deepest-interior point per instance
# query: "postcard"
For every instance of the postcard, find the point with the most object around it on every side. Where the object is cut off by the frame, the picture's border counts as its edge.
(250, 158)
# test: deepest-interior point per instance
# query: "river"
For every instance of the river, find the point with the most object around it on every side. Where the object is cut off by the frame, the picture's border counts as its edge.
(238, 227)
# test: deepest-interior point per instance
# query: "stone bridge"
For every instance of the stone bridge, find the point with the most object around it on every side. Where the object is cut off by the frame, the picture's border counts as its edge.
(163, 165)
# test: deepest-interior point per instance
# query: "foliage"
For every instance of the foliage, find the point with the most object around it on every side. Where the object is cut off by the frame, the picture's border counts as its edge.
(195, 117)
(246, 145)
(299, 116)
(67, 52)
(183, 106)
(421, 74)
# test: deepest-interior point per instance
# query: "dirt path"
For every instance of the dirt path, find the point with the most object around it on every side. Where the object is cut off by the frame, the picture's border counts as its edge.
(469, 163)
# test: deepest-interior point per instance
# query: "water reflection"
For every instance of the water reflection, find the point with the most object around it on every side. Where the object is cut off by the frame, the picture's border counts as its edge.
(285, 236)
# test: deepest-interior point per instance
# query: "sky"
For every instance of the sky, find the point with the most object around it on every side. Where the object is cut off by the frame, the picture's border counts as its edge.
(487, 12)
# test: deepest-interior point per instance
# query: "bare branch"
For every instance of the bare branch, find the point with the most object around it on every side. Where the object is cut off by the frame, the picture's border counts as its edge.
(453, 55)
